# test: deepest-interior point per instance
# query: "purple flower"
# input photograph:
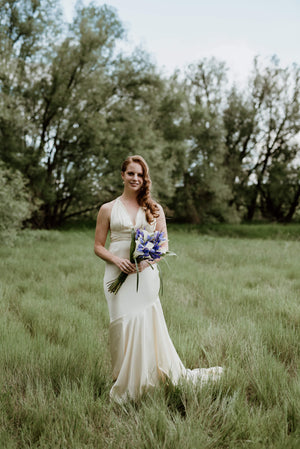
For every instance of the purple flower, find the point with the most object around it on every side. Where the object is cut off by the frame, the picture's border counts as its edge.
(144, 246)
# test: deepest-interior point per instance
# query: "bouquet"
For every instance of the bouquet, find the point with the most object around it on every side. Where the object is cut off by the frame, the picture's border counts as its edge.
(144, 246)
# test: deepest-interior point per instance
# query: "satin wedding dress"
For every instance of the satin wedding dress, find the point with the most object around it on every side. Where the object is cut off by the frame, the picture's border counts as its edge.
(142, 352)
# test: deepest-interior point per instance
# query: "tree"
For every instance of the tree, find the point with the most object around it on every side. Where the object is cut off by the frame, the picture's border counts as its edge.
(24, 25)
(144, 118)
(204, 192)
(79, 109)
(71, 109)
(281, 192)
(241, 130)
(261, 141)
(64, 110)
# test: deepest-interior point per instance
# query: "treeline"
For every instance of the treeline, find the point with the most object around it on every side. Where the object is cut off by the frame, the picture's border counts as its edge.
(72, 108)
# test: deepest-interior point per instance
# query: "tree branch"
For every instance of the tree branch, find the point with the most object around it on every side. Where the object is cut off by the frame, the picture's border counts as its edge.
(88, 209)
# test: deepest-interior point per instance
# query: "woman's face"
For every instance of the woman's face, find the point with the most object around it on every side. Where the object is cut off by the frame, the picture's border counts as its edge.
(133, 177)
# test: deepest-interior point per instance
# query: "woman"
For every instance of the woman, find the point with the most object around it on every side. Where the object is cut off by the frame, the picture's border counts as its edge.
(141, 349)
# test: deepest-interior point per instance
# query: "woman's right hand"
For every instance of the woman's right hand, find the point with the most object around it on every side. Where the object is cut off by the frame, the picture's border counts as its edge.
(125, 265)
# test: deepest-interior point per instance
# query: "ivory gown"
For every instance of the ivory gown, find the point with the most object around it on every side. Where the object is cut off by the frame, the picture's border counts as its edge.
(141, 349)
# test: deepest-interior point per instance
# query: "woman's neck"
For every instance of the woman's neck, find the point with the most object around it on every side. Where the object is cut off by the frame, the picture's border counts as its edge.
(129, 196)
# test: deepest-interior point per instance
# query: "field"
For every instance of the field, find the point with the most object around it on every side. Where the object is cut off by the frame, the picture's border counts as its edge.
(231, 298)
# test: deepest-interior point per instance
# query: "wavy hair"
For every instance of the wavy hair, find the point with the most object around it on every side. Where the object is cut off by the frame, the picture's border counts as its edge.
(144, 198)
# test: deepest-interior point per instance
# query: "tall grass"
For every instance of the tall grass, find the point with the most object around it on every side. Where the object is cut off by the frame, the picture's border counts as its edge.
(227, 301)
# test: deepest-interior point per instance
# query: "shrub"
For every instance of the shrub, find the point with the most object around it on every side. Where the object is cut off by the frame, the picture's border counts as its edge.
(15, 205)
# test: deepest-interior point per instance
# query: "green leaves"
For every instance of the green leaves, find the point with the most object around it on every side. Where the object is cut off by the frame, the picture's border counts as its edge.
(72, 108)
(15, 203)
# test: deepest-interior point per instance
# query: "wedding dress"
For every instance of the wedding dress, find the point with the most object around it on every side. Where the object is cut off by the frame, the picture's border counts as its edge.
(142, 352)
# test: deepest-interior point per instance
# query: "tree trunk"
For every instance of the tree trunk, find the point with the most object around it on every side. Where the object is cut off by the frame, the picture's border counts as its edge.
(293, 207)
(252, 207)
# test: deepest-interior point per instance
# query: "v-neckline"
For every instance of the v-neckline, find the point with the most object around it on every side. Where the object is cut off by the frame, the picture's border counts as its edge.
(126, 210)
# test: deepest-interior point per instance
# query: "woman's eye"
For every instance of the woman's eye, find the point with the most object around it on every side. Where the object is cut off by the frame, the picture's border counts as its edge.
(140, 176)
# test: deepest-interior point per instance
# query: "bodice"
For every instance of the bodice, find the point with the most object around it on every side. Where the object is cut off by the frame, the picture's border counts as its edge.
(121, 223)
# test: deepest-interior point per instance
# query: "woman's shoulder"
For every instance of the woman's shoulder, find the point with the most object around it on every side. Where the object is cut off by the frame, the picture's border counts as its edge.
(106, 208)
(109, 204)
(160, 209)
(160, 219)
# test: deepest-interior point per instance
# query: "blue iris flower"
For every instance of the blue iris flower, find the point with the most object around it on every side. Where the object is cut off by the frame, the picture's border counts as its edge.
(156, 239)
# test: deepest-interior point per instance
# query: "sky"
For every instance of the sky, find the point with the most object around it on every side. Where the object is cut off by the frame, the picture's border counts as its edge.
(176, 33)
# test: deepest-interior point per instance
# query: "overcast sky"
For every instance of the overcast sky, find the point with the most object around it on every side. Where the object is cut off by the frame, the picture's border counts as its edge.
(176, 32)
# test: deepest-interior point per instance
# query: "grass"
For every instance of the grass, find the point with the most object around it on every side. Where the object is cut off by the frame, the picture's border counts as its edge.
(269, 231)
(227, 301)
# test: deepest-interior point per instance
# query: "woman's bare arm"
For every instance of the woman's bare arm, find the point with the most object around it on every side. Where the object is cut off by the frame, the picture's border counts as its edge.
(102, 228)
(161, 226)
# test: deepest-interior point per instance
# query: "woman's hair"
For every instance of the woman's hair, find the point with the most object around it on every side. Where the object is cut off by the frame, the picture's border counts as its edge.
(144, 195)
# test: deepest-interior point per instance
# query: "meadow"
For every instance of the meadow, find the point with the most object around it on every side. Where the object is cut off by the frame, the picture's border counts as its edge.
(231, 298)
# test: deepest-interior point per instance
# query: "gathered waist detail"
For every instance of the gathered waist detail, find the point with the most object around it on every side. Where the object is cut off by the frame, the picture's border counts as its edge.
(120, 237)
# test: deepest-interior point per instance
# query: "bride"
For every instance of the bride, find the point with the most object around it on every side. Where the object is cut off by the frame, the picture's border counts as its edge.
(142, 352)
